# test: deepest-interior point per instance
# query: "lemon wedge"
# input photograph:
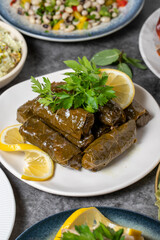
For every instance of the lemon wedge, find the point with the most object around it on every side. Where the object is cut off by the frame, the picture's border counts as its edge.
(11, 140)
(38, 165)
(92, 217)
(122, 85)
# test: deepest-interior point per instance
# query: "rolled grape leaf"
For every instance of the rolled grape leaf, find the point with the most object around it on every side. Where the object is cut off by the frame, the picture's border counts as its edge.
(111, 114)
(75, 122)
(109, 146)
(138, 113)
(58, 148)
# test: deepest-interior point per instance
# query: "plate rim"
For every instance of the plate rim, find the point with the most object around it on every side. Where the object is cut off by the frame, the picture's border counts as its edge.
(79, 194)
(154, 71)
(13, 201)
(80, 39)
(98, 207)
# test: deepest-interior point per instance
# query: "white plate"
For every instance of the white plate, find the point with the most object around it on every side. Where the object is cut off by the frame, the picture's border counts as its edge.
(7, 207)
(134, 164)
(148, 40)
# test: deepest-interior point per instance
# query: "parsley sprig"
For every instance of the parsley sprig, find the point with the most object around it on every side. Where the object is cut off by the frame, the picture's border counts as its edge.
(85, 87)
(100, 233)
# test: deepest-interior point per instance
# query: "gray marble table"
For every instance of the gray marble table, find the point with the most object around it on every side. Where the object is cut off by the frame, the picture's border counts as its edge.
(45, 57)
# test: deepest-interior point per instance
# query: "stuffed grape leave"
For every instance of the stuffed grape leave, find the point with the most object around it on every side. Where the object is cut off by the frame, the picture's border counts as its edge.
(75, 122)
(111, 114)
(58, 148)
(109, 146)
(25, 111)
(138, 113)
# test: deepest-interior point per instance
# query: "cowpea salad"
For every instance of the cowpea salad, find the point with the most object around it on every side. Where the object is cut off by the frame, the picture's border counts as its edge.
(69, 15)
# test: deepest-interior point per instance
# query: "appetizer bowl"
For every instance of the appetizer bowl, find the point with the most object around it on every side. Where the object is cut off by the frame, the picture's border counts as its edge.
(16, 70)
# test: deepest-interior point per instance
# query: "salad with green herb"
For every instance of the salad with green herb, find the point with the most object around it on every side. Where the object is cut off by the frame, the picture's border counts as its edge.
(102, 232)
(69, 15)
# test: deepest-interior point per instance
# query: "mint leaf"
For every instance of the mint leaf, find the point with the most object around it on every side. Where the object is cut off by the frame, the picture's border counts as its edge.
(125, 68)
(106, 57)
(134, 62)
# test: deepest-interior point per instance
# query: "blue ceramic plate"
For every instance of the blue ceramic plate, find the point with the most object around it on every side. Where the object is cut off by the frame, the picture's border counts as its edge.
(47, 228)
(8, 14)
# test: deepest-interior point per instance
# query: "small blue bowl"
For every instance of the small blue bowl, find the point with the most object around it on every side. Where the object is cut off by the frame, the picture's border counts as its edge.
(47, 228)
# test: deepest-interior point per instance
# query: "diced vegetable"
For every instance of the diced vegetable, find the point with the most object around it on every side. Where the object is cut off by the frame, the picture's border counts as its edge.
(122, 3)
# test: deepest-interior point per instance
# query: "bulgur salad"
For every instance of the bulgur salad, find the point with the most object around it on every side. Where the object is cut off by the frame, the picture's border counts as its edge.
(10, 52)
(69, 15)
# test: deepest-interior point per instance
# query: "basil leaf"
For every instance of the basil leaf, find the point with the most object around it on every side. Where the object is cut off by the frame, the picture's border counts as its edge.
(106, 57)
(125, 68)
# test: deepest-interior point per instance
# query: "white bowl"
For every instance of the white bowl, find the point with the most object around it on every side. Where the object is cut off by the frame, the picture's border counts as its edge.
(15, 71)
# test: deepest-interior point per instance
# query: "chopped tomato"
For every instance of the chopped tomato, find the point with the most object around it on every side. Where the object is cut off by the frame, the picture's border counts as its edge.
(74, 8)
(158, 28)
(12, 2)
(121, 3)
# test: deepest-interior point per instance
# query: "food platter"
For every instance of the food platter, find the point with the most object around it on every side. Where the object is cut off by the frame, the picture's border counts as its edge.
(9, 15)
(7, 207)
(121, 173)
(148, 40)
(47, 228)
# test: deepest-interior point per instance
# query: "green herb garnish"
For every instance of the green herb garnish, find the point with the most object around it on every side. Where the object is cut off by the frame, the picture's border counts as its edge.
(100, 233)
(109, 56)
(104, 11)
(85, 87)
(71, 3)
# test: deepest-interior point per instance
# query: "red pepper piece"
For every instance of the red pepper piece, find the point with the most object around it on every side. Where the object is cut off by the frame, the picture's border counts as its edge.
(74, 8)
(158, 28)
(121, 3)
(12, 2)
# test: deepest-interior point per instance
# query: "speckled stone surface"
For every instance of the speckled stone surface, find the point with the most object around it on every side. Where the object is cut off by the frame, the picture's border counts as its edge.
(45, 57)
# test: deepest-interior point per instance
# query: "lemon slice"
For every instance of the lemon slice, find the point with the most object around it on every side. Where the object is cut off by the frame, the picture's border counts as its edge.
(11, 140)
(92, 217)
(38, 166)
(122, 85)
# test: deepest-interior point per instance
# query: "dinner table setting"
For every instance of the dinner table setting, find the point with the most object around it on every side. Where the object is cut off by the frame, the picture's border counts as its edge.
(80, 119)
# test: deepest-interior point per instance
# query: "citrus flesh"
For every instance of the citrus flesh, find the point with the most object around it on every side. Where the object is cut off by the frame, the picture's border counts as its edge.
(122, 85)
(92, 217)
(38, 165)
(11, 140)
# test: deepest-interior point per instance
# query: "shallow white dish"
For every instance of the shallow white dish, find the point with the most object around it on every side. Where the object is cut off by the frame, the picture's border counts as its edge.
(15, 71)
(130, 167)
(7, 207)
(148, 40)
